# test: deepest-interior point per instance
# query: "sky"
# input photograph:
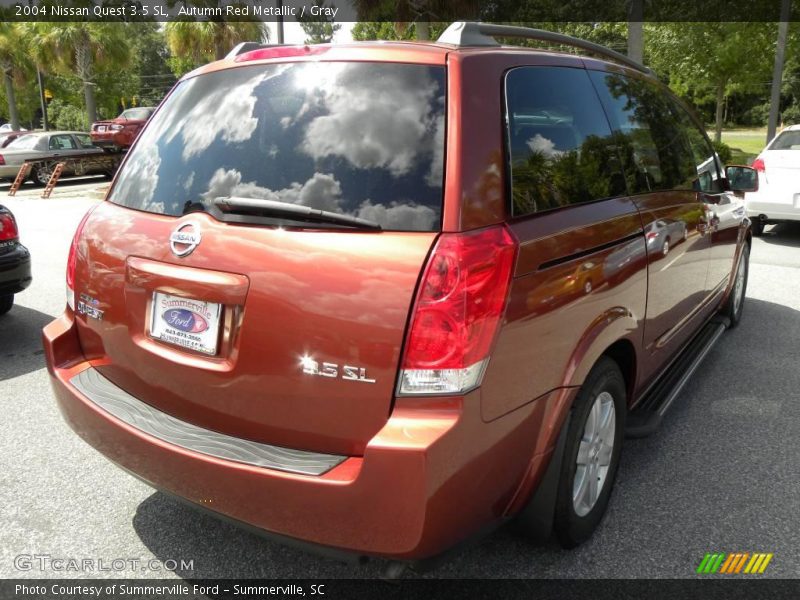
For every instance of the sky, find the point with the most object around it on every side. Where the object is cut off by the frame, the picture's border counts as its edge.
(294, 34)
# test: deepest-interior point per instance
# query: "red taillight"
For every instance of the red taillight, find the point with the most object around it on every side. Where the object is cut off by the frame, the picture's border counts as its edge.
(2, 160)
(8, 227)
(459, 306)
(72, 262)
(758, 165)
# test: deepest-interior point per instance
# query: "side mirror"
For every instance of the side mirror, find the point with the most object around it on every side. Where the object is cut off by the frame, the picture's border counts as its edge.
(742, 179)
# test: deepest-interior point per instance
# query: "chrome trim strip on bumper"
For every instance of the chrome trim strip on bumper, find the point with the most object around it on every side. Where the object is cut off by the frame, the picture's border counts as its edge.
(147, 419)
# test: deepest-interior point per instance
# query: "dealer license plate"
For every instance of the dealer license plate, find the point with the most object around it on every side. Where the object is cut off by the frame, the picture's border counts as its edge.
(192, 324)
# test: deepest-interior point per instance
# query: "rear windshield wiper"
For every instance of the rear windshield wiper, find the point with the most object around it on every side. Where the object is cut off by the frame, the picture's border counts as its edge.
(295, 212)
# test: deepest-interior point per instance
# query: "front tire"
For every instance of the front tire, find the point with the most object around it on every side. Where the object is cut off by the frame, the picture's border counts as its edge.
(735, 302)
(591, 454)
(6, 302)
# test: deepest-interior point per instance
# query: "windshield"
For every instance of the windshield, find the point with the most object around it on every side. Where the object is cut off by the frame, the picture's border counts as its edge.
(136, 113)
(788, 140)
(25, 142)
(363, 139)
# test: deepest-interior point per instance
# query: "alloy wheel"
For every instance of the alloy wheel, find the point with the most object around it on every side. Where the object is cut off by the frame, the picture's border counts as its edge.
(594, 454)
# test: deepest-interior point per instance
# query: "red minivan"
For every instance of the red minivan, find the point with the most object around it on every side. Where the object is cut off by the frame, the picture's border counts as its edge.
(382, 297)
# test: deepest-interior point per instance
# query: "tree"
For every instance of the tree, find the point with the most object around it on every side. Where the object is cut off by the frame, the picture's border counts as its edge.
(13, 61)
(84, 49)
(203, 41)
(712, 59)
(372, 30)
(319, 29)
(428, 17)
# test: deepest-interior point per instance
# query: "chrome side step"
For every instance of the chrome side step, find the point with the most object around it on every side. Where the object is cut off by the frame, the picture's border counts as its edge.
(139, 415)
(646, 417)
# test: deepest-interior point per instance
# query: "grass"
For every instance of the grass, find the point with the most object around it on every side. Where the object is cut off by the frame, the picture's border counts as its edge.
(745, 143)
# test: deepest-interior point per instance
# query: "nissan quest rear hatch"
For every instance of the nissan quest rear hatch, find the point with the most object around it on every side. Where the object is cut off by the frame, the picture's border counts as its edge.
(257, 258)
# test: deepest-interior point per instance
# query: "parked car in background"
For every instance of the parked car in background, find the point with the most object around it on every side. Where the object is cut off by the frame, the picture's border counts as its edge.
(7, 137)
(282, 314)
(48, 146)
(15, 261)
(662, 234)
(118, 134)
(777, 198)
(5, 127)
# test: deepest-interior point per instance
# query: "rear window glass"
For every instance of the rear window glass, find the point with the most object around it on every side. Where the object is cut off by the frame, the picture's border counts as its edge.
(26, 142)
(788, 140)
(364, 139)
(136, 113)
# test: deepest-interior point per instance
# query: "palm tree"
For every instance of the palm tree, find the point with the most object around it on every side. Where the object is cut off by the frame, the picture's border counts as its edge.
(81, 49)
(211, 40)
(13, 60)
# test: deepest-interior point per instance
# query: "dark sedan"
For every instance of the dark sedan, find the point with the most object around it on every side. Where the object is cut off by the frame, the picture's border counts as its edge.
(15, 261)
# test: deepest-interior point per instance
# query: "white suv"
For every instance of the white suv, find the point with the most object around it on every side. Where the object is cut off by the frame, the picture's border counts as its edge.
(778, 195)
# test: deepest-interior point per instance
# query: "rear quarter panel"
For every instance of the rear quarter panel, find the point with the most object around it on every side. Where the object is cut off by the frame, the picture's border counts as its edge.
(580, 282)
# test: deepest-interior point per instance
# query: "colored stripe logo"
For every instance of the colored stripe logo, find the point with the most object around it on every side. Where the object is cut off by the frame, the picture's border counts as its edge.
(733, 563)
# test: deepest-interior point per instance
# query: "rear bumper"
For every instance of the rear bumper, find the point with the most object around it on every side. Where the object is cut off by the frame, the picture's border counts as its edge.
(107, 139)
(15, 270)
(433, 476)
(775, 207)
(9, 171)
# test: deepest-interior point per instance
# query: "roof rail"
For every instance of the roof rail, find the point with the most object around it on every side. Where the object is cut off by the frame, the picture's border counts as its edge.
(243, 47)
(469, 33)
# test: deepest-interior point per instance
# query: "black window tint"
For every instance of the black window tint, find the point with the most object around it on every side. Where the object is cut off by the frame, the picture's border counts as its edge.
(364, 139)
(655, 152)
(559, 142)
(705, 159)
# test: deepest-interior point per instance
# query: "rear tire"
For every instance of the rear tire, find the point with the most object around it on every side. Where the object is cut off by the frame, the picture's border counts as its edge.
(735, 302)
(6, 302)
(591, 454)
(757, 227)
(41, 173)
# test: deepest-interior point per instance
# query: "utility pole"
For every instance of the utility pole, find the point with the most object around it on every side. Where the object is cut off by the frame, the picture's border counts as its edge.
(279, 22)
(777, 73)
(635, 33)
(42, 100)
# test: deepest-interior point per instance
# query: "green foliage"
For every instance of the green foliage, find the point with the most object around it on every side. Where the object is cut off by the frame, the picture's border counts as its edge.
(372, 30)
(791, 116)
(66, 116)
(320, 29)
(204, 41)
(757, 115)
(724, 151)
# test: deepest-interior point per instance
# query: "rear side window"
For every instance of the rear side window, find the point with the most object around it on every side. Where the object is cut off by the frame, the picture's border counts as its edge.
(787, 140)
(84, 140)
(364, 139)
(560, 145)
(62, 142)
(654, 150)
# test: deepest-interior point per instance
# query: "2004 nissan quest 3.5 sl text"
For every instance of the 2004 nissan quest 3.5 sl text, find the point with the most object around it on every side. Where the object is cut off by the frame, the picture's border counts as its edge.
(378, 298)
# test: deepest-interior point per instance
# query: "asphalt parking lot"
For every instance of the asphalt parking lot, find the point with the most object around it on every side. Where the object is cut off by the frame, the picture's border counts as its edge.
(720, 475)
